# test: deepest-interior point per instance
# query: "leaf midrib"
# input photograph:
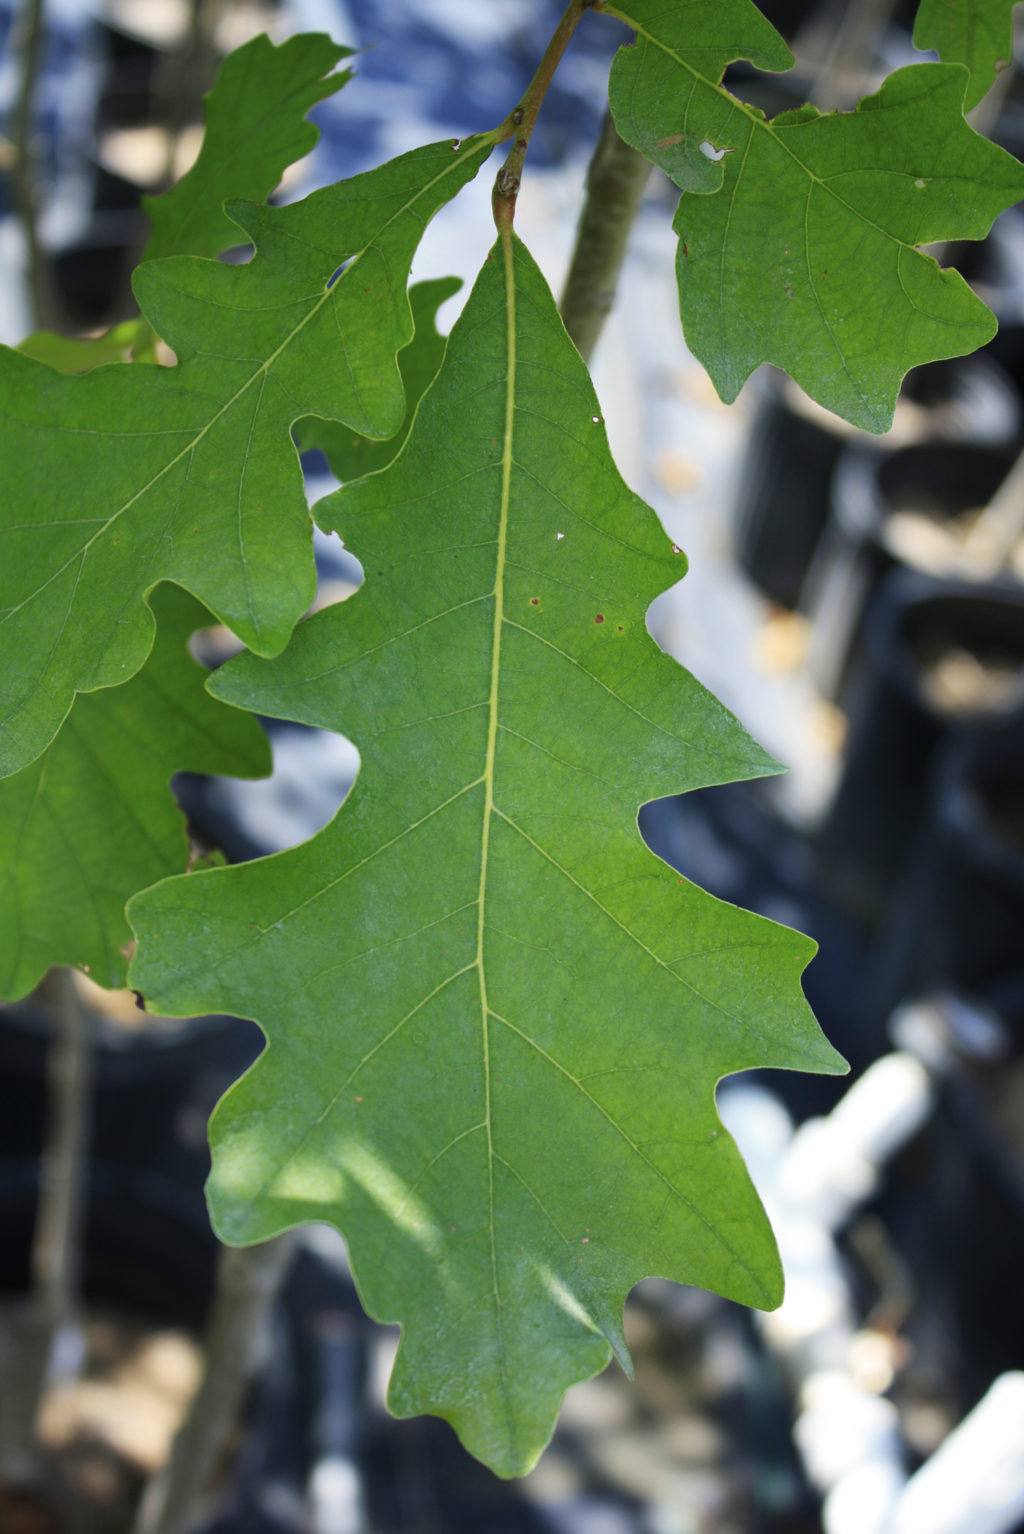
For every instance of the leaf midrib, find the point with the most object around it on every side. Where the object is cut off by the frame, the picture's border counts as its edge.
(508, 258)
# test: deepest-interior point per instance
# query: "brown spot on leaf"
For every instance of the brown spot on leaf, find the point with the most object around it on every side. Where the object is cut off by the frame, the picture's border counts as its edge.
(670, 142)
(599, 618)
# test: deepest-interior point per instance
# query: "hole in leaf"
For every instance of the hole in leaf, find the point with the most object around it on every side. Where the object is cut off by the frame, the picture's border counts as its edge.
(238, 255)
(709, 151)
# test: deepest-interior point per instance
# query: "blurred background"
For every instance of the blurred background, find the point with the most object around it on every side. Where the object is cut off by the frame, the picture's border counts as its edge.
(857, 602)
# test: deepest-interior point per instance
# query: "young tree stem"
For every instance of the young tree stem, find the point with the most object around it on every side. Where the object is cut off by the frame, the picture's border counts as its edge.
(57, 1243)
(31, 32)
(248, 1280)
(616, 180)
(995, 534)
(522, 120)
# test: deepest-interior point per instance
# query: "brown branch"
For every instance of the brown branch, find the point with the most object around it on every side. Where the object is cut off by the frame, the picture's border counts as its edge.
(248, 1280)
(615, 187)
(23, 179)
(522, 120)
(57, 1241)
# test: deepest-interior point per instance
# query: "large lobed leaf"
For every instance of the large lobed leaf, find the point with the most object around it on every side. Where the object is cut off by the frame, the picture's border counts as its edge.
(495, 1020)
(806, 256)
(978, 33)
(92, 820)
(120, 478)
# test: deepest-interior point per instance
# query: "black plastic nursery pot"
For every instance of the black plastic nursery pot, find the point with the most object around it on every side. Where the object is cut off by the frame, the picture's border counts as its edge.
(781, 509)
(900, 716)
(954, 1209)
(127, 96)
(92, 279)
(148, 1246)
(954, 1205)
(148, 1242)
(781, 502)
(959, 921)
(154, 1087)
(994, 267)
(938, 482)
(148, 1257)
(149, 1264)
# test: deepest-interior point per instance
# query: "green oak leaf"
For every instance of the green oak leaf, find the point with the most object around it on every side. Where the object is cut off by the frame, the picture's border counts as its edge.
(350, 455)
(255, 126)
(807, 255)
(495, 1019)
(123, 477)
(80, 354)
(665, 89)
(978, 33)
(93, 820)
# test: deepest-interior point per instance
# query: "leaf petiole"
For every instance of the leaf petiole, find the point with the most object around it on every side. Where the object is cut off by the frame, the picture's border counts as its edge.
(521, 120)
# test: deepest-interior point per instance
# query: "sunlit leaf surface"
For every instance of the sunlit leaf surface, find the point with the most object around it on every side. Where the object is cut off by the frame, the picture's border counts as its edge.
(495, 1019)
